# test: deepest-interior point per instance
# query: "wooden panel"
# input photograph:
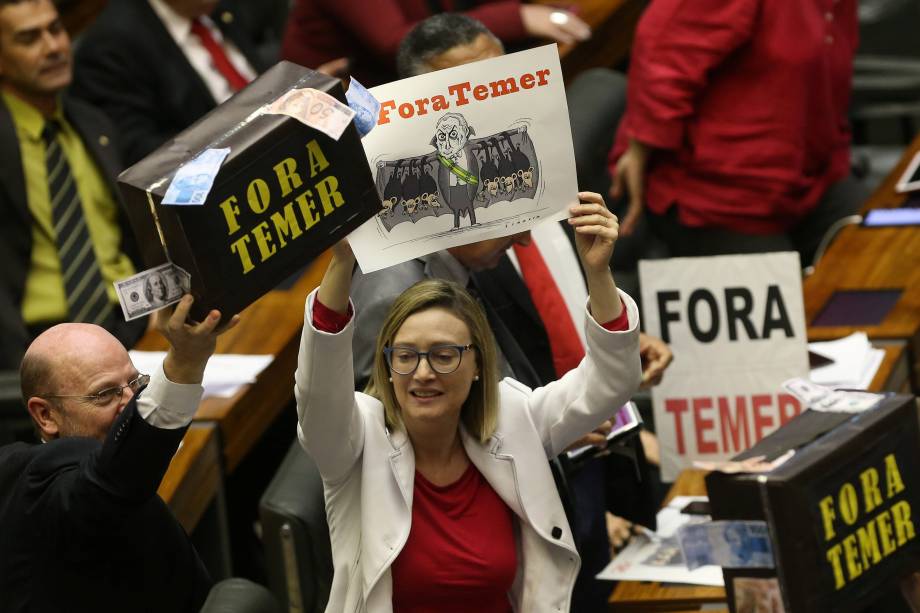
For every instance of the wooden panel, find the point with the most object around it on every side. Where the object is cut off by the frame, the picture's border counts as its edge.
(194, 476)
(874, 258)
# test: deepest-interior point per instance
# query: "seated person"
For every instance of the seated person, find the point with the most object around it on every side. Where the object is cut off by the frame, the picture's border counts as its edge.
(736, 138)
(157, 66)
(64, 238)
(439, 495)
(322, 31)
(83, 528)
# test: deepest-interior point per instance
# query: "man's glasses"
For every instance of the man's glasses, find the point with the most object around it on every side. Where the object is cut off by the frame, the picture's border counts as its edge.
(106, 396)
(443, 359)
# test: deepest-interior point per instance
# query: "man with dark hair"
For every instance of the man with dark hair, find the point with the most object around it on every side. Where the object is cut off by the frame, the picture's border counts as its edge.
(442, 41)
(156, 66)
(81, 526)
(64, 239)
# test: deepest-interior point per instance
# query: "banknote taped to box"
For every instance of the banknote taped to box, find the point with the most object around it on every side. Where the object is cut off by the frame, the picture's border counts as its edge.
(285, 192)
(843, 512)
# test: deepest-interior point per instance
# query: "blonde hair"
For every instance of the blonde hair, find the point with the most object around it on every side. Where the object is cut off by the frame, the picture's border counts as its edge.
(480, 410)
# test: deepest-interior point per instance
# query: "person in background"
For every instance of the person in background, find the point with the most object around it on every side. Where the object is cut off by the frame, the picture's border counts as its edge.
(157, 66)
(439, 495)
(81, 508)
(322, 31)
(64, 238)
(736, 137)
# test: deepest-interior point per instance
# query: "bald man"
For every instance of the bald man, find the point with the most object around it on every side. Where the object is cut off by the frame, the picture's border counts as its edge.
(81, 526)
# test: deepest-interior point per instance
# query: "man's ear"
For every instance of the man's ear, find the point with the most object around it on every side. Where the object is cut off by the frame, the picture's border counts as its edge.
(46, 416)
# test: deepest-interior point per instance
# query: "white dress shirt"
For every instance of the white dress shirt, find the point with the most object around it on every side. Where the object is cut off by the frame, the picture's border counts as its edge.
(168, 405)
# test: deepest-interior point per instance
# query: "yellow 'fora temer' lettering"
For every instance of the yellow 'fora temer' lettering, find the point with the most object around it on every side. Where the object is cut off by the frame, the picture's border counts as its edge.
(875, 539)
(305, 207)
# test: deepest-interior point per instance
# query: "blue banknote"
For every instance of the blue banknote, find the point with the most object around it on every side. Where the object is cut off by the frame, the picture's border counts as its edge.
(730, 544)
(194, 179)
(365, 106)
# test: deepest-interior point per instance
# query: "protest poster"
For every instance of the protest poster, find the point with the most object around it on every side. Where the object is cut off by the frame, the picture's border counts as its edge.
(736, 325)
(469, 153)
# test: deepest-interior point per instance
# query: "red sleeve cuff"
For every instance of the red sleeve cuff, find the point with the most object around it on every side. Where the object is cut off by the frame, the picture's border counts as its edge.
(619, 324)
(327, 320)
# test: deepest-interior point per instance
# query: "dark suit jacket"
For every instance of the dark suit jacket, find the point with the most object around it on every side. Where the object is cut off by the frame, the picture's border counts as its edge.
(82, 529)
(128, 65)
(16, 229)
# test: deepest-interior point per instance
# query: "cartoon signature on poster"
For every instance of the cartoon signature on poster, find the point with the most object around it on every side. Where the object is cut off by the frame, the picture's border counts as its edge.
(461, 175)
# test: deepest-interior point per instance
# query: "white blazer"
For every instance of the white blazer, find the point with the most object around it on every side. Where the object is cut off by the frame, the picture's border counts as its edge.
(368, 471)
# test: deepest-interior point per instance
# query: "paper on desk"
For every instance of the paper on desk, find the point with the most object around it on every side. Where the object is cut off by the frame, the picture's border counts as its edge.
(225, 374)
(855, 362)
(656, 556)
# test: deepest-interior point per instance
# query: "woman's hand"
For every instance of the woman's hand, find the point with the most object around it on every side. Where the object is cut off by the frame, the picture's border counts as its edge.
(595, 235)
(596, 231)
(336, 285)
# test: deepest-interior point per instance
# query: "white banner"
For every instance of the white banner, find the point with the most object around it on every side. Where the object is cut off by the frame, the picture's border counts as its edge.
(465, 154)
(736, 325)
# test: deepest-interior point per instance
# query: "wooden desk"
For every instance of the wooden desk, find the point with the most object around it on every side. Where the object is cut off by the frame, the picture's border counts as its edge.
(193, 478)
(647, 596)
(874, 258)
(271, 325)
(193, 489)
(613, 24)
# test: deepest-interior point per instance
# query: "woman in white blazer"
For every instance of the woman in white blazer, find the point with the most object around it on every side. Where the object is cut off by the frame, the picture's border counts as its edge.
(435, 417)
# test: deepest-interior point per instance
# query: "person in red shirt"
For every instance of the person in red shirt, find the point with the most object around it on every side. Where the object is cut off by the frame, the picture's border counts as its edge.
(735, 137)
(321, 32)
(438, 493)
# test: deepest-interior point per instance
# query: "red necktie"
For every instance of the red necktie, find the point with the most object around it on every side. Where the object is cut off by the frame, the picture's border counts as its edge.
(219, 56)
(563, 337)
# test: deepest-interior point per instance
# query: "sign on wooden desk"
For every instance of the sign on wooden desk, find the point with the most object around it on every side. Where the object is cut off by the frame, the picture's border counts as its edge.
(736, 326)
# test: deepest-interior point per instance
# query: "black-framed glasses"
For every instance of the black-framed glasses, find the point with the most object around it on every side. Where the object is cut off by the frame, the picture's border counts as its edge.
(442, 359)
(105, 397)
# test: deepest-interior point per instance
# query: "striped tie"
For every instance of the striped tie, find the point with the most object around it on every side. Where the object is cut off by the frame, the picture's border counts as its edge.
(87, 299)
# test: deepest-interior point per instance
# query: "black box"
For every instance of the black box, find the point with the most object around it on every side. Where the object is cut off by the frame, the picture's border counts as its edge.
(284, 194)
(843, 512)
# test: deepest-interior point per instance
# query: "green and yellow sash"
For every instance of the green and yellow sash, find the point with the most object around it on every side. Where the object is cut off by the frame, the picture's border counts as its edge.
(462, 173)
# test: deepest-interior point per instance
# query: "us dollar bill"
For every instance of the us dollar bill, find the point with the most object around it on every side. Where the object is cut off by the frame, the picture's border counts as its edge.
(151, 290)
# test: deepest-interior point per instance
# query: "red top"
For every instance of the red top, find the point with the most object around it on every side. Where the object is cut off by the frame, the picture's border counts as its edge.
(460, 555)
(370, 32)
(748, 99)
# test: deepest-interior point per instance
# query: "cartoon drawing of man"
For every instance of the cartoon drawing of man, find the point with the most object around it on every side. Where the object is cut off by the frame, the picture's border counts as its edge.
(458, 172)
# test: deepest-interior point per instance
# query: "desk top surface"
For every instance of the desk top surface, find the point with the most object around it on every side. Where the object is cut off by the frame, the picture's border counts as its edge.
(872, 258)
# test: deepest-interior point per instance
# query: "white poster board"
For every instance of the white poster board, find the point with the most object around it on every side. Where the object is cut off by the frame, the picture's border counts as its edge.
(736, 325)
(465, 154)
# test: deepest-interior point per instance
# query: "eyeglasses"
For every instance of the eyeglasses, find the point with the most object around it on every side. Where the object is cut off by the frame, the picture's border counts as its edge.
(442, 359)
(105, 397)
